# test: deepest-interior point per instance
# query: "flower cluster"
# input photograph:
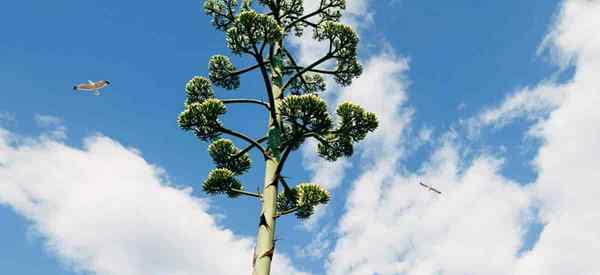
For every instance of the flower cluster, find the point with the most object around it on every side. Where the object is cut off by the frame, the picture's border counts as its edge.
(221, 181)
(222, 72)
(251, 28)
(344, 41)
(353, 126)
(226, 155)
(302, 199)
(203, 118)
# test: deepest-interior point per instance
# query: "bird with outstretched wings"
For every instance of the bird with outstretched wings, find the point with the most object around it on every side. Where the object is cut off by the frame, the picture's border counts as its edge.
(92, 86)
(430, 188)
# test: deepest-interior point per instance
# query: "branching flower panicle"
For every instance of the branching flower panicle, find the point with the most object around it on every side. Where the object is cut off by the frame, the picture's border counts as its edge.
(292, 102)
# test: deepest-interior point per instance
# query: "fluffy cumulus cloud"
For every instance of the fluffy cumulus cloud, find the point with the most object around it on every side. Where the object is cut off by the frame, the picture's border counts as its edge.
(104, 209)
(530, 103)
(394, 227)
(479, 224)
(568, 162)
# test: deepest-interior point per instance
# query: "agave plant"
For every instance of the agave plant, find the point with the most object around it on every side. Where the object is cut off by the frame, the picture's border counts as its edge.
(296, 111)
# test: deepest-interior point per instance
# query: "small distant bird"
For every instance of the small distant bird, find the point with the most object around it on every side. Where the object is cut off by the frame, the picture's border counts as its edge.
(91, 86)
(430, 188)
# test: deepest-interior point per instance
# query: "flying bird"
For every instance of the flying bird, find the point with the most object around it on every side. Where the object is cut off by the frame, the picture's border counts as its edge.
(430, 188)
(91, 86)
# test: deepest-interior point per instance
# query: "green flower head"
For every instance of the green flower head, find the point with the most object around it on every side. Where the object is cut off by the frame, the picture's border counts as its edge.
(221, 72)
(203, 118)
(221, 181)
(198, 89)
(226, 155)
(251, 28)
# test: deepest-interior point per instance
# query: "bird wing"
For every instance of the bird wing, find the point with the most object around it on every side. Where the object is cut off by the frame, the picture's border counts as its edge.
(91, 86)
(86, 86)
(100, 84)
(430, 188)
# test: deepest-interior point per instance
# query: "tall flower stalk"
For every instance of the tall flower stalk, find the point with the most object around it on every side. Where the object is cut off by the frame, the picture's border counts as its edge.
(296, 111)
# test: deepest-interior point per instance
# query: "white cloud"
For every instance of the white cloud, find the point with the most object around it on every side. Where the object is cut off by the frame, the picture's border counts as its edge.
(425, 134)
(104, 209)
(478, 224)
(573, 39)
(568, 163)
(319, 245)
(358, 13)
(393, 225)
(325, 173)
(532, 104)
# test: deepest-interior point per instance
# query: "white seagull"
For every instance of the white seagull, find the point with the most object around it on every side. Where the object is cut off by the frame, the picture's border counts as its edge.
(92, 86)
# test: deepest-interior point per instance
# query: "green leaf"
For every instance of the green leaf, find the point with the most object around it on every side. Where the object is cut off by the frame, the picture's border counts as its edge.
(221, 181)
(203, 118)
(198, 89)
(251, 28)
(221, 72)
(224, 152)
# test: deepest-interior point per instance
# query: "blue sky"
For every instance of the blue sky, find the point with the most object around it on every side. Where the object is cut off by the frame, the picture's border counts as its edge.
(487, 101)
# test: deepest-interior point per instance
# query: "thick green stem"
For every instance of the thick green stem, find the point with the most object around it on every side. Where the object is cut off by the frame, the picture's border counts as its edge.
(265, 241)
